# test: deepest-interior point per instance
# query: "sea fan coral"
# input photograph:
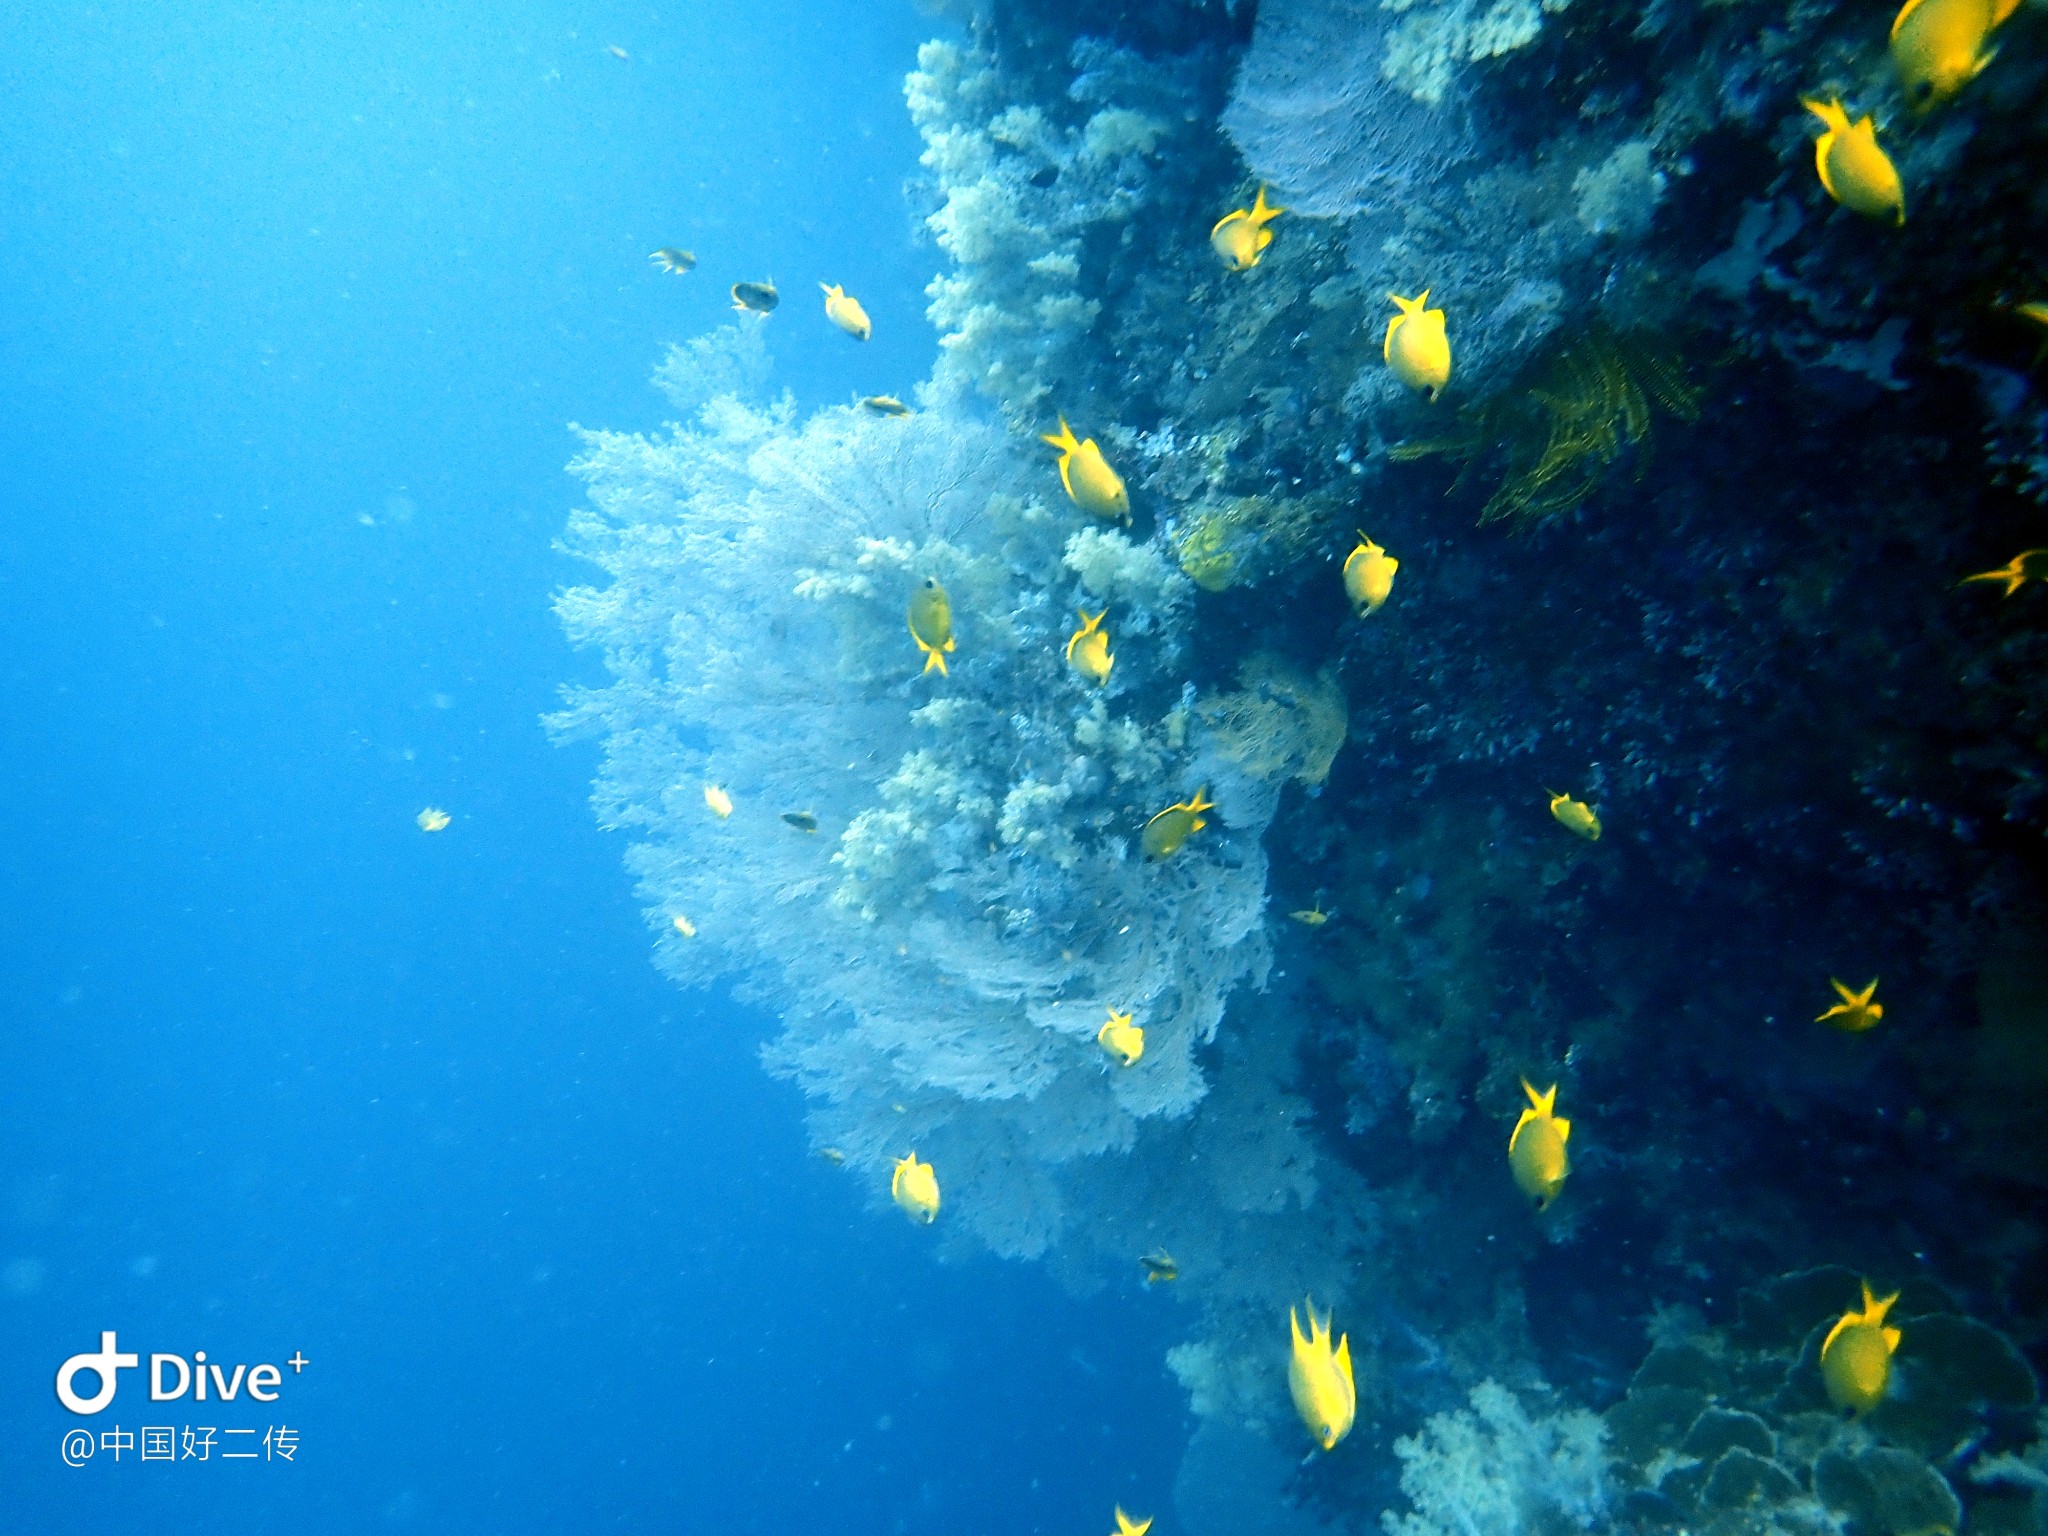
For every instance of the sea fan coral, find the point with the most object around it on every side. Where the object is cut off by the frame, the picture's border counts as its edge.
(971, 899)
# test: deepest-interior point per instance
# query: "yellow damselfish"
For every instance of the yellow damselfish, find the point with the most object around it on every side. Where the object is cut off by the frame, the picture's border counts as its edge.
(1126, 1526)
(1312, 917)
(1241, 237)
(718, 801)
(1173, 826)
(1418, 348)
(1159, 1267)
(915, 1188)
(685, 927)
(1856, 1012)
(1856, 1356)
(1368, 576)
(1574, 815)
(1121, 1038)
(884, 405)
(1853, 167)
(1939, 46)
(432, 819)
(760, 298)
(1320, 1379)
(1088, 649)
(1090, 482)
(1536, 1148)
(844, 311)
(931, 623)
(2028, 565)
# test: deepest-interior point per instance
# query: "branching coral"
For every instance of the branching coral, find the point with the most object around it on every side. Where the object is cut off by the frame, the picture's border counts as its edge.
(1493, 1470)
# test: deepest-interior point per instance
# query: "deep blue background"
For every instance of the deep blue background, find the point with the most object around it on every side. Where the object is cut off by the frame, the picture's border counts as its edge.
(295, 302)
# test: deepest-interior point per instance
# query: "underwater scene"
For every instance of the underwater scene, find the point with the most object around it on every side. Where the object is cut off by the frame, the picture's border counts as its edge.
(1210, 767)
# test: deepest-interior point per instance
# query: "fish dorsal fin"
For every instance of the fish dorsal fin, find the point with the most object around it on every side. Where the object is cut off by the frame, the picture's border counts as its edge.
(1908, 9)
(2001, 10)
(1564, 1129)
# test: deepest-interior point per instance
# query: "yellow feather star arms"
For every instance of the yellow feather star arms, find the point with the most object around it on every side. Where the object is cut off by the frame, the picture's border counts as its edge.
(844, 311)
(1940, 46)
(2028, 565)
(1853, 167)
(931, 624)
(1121, 1038)
(915, 1189)
(1536, 1148)
(1856, 1356)
(1856, 1012)
(1088, 649)
(1320, 1379)
(1417, 347)
(1368, 576)
(1126, 1526)
(1173, 826)
(1574, 815)
(1091, 484)
(1240, 237)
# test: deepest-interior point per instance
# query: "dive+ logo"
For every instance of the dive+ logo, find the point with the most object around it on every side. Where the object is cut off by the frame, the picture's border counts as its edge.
(195, 1376)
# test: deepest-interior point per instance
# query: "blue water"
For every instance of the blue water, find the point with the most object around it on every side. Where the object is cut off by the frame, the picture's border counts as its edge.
(296, 302)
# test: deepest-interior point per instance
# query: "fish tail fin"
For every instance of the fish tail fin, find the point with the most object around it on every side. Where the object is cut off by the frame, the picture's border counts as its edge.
(933, 658)
(1064, 439)
(1829, 112)
(2001, 10)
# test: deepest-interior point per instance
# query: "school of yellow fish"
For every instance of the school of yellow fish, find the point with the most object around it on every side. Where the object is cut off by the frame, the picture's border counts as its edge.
(1937, 48)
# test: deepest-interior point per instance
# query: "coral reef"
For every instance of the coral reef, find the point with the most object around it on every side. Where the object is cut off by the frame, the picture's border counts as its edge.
(1812, 753)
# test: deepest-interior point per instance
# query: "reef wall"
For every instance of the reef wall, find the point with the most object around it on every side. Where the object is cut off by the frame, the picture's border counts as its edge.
(1682, 536)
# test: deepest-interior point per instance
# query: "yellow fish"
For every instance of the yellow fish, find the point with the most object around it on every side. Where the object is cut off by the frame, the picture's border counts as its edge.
(1536, 1149)
(1173, 826)
(432, 819)
(832, 1155)
(1368, 576)
(1313, 917)
(1088, 649)
(1574, 815)
(685, 927)
(1856, 1012)
(844, 311)
(915, 1188)
(884, 405)
(931, 624)
(1856, 1356)
(2027, 565)
(1159, 1267)
(1126, 1526)
(1417, 348)
(1241, 237)
(1938, 46)
(1857, 173)
(718, 800)
(1121, 1038)
(758, 297)
(803, 821)
(1320, 1379)
(669, 259)
(1090, 482)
